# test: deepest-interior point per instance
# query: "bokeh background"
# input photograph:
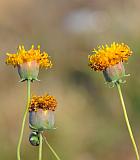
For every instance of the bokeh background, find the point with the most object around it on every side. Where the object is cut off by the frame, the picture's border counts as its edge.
(89, 118)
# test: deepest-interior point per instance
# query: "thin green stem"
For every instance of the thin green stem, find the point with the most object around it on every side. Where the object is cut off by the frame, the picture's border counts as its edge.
(127, 121)
(24, 119)
(40, 146)
(56, 156)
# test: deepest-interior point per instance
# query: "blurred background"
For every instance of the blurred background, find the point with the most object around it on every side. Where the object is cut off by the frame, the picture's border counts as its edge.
(89, 119)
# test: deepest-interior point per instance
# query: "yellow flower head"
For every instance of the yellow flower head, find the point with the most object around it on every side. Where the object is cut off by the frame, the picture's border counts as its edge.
(45, 102)
(106, 56)
(23, 56)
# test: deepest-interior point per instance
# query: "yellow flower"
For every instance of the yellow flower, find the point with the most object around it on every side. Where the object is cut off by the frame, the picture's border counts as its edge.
(45, 102)
(28, 62)
(24, 56)
(107, 56)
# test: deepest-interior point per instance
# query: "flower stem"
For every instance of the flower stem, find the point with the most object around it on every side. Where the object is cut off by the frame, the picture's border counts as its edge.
(24, 119)
(127, 121)
(40, 146)
(56, 156)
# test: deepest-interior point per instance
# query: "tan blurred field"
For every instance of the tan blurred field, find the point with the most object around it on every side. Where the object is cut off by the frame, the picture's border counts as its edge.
(89, 119)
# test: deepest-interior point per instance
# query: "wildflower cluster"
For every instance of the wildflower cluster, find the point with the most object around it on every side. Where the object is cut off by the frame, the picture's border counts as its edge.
(41, 108)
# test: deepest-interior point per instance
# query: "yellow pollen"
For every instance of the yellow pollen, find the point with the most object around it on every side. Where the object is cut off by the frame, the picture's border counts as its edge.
(106, 56)
(24, 56)
(45, 102)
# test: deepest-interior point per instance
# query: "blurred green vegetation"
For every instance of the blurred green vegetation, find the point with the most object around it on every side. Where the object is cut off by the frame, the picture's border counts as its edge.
(89, 119)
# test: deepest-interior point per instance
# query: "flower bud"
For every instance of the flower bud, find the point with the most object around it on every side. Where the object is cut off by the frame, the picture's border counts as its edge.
(34, 138)
(114, 73)
(41, 120)
(28, 70)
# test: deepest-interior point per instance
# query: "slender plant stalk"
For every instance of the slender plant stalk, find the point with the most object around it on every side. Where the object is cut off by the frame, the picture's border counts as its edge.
(24, 119)
(56, 156)
(127, 121)
(40, 146)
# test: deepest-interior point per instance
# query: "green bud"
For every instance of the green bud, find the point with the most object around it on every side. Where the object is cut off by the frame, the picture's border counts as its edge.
(34, 138)
(41, 120)
(28, 71)
(114, 73)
